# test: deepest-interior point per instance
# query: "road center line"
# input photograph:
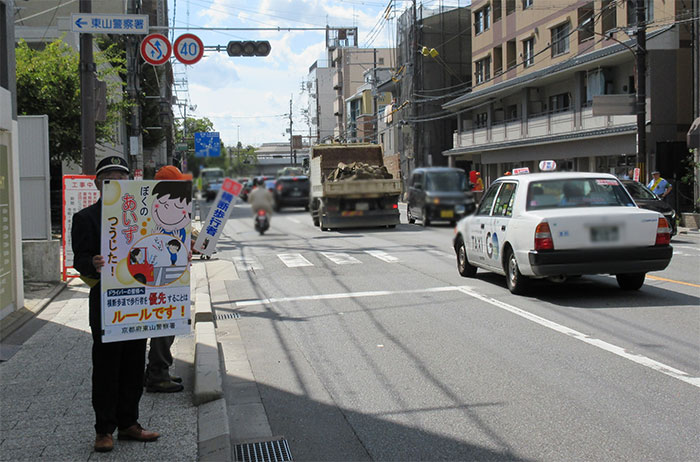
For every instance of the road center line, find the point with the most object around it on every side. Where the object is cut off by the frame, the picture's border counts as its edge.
(639, 359)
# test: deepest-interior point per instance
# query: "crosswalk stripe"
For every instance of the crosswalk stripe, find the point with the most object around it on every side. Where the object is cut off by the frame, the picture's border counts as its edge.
(246, 263)
(340, 258)
(294, 260)
(380, 254)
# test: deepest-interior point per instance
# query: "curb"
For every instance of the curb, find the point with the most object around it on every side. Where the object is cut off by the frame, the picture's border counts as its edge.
(213, 434)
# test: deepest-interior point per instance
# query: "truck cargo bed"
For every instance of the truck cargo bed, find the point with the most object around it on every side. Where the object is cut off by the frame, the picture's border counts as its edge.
(357, 188)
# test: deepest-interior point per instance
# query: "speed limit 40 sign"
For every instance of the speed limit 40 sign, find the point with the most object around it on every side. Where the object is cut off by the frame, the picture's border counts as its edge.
(188, 48)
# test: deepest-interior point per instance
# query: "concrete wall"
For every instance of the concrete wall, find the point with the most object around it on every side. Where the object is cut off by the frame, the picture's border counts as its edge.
(42, 260)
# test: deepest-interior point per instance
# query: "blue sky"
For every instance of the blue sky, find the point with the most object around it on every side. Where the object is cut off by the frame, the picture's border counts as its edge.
(250, 96)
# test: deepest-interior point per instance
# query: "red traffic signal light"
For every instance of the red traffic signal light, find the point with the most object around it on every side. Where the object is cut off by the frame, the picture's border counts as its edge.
(248, 48)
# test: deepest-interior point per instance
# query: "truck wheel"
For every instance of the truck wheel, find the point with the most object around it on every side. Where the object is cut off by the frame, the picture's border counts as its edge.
(425, 220)
(630, 281)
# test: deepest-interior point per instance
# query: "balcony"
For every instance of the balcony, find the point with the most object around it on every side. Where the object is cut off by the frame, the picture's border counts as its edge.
(542, 126)
(338, 80)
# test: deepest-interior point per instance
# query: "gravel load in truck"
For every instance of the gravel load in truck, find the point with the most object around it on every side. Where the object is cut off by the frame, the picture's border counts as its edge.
(359, 171)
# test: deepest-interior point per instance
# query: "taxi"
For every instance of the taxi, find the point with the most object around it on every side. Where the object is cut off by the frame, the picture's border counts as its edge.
(558, 225)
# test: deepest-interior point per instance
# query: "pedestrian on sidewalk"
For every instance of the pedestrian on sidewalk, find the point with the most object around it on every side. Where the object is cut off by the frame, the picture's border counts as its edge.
(117, 367)
(160, 359)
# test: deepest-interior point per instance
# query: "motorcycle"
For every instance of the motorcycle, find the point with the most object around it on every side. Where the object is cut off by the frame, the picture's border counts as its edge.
(262, 221)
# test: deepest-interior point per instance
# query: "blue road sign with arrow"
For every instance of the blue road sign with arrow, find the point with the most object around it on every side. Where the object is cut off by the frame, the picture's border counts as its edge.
(88, 23)
(207, 144)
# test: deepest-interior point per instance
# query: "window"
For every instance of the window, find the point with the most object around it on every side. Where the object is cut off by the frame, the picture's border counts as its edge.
(560, 39)
(527, 4)
(575, 192)
(497, 60)
(609, 15)
(503, 207)
(482, 70)
(510, 7)
(497, 12)
(481, 119)
(511, 59)
(482, 20)
(380, 61)
(487, 201)
(559, 103)
(529, 52)
(586, 26)
(632, 12)
(512, 112)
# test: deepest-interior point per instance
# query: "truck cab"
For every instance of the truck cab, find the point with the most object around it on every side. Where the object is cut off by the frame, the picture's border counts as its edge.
(211, 180)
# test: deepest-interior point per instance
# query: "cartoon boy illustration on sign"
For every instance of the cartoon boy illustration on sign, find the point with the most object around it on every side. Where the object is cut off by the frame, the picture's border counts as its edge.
(171, 208)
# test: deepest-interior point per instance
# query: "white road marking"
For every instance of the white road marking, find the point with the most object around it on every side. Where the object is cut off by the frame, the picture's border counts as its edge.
(380, 254)
(294, 220)
(636, 358)
(440, 253)
(246, 263)
(294, 260)
(619, 351)
(341, 258)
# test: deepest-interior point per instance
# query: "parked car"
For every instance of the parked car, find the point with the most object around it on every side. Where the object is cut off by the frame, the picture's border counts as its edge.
(292, 191)
(648, 200)
(439, 193)
(247, 187)
(559, 225)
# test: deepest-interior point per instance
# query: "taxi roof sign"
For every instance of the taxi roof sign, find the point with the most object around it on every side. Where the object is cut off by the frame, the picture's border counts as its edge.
(548, 166)
(521, 171)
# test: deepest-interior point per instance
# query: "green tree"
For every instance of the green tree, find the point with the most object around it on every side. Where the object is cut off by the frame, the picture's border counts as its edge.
(48, 82)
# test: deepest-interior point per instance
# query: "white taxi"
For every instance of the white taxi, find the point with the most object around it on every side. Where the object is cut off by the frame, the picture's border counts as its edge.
(559, 225)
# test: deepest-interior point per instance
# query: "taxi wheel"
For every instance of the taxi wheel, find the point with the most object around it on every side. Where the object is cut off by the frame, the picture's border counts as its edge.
(463, 266)
(516, 282)
(630, 281)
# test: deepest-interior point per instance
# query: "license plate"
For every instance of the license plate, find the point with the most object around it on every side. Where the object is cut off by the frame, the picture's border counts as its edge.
(604, 234)
(295, 193)
(447, 213)
(362, 206)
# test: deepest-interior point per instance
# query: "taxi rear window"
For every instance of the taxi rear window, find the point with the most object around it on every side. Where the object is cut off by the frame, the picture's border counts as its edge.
(577, 192)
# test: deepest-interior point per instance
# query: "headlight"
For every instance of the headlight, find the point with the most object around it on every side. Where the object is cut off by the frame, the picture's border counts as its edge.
(459, 208)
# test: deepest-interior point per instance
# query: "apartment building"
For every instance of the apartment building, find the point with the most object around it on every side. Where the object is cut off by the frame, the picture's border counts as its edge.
(321, 97)
(366, 106)
(537, 66)
(349, 64)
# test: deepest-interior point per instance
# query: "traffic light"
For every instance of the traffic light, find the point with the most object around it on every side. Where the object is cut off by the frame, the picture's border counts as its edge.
(248, 48)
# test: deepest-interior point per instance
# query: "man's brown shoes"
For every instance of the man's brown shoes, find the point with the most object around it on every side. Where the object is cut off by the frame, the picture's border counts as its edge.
(136, 432)
(104, 442)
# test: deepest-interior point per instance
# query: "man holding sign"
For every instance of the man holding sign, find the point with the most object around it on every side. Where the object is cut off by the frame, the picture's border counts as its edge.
(117, 367)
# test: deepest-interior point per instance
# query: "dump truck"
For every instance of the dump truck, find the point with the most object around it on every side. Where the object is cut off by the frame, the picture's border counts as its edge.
(350, 187)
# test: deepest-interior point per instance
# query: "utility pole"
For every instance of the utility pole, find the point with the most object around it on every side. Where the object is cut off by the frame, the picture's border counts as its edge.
(414, 87)
(132, 85)
(640, 61)
(87, 97)
(374, 100)
(291, 139)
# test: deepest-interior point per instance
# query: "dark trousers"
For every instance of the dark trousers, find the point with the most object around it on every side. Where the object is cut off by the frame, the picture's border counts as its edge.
(159, 359)
(117, 377)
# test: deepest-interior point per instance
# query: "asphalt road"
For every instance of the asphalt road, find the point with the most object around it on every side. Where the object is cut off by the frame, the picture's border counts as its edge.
(368, 345)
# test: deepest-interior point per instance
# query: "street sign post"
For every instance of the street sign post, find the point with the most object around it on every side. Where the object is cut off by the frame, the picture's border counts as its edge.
(156, 49)
(207, 144)
(188, 49)
(87, 23)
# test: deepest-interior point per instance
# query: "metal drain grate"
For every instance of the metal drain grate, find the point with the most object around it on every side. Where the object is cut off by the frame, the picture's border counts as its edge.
(220, 317)
(263, 451)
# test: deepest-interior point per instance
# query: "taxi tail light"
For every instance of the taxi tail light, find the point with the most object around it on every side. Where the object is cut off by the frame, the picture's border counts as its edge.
(663, 232)
(394, 206)
(279, 187)
(543, 237)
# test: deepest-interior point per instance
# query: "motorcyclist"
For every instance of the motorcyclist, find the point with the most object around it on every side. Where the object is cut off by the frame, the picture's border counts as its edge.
(261, 198)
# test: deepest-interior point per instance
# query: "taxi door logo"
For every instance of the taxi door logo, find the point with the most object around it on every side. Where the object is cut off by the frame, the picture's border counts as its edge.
(492, 245)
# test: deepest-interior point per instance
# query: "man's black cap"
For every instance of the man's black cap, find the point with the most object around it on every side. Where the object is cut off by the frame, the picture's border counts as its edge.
(112, 163)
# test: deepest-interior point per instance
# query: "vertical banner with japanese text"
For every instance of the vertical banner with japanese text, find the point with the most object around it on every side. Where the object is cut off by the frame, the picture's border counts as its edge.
(146, 236)
(79, 192)
(218, 214)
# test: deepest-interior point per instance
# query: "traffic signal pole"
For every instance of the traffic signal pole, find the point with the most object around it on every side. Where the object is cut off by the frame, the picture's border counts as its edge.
(641, 65)
(87, 97)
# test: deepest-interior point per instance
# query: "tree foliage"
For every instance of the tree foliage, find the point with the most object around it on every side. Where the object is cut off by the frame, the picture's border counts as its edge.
(48, 82)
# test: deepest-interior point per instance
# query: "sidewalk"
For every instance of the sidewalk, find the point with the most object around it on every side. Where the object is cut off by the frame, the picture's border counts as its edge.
(45, 396)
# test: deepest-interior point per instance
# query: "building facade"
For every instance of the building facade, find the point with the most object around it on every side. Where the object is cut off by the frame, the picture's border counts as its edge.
(537, 70)
(321, 97)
